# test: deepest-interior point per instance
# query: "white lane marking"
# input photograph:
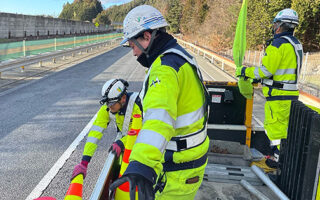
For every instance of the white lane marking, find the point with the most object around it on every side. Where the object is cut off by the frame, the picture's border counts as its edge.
(46, 180)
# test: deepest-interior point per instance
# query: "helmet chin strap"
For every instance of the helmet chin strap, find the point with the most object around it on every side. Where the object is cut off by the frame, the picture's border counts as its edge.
(145, 51)
(275, 29)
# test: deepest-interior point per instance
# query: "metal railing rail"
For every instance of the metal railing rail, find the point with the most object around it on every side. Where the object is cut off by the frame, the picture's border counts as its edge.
(220, 61)
(22, 62)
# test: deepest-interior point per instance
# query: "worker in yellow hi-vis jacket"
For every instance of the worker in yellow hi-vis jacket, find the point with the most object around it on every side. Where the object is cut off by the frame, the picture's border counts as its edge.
(117, 105)
(170, 154)
(279, 75)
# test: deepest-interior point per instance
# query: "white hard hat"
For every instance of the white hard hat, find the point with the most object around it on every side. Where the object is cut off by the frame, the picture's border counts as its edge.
(142, 18)
(287, 16)
(113, 90)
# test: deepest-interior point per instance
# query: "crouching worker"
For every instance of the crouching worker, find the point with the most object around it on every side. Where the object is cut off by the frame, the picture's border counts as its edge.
(117, 105)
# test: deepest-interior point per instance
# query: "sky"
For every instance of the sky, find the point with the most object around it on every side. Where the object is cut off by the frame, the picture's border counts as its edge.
(44, 7)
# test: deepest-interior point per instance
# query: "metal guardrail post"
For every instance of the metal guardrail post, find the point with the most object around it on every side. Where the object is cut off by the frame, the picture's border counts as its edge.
(40, 63)
(305, 67)
(24, 47)
(55, 44)
(260, 57)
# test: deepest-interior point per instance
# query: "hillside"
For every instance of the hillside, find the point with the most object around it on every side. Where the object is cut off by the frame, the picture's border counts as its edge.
(211, 23)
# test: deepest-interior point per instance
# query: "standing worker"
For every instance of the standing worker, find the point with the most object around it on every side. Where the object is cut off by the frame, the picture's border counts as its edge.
(117, 105)
(279, 75)
(170, 154)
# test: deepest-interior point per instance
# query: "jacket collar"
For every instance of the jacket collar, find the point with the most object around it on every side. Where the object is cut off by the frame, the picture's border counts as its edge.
(161, 43)
(283, 34)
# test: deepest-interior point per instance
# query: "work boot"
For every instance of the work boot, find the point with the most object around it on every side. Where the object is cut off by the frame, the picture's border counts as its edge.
(272, 163)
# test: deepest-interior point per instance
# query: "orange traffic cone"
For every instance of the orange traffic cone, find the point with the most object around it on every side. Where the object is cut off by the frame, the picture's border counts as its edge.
(122, 192)
(75, 189)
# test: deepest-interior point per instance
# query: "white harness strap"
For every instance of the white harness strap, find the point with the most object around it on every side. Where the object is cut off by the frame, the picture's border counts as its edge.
(127, 117)
(299, 53)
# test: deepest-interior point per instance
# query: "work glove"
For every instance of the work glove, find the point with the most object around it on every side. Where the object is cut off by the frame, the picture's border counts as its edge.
(245, 87)
(117, 147)
(240, 71)
(145, 188)
(80, 169)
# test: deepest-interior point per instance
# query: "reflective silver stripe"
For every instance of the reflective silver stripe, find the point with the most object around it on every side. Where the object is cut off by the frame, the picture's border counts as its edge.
(190, 118)
(265, 71)
(97, 128)
(275, 142)
(92, 140)
(159, 114)
(192, 141)
(285, 71)
(256, 73)
(290, 87)
(152, 138)
(127, 117)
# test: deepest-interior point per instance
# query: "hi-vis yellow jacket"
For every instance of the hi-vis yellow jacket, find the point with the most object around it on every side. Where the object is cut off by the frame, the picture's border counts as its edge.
(104, 117)
(280, 68)
(173, 136)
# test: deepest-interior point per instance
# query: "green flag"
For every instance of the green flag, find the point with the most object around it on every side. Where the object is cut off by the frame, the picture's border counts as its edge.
(239, 49)
(239, 44)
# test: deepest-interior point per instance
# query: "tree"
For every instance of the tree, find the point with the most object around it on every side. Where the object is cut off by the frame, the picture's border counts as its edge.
(174, 15)
(308, 30)
(102, 18)
(83, 10)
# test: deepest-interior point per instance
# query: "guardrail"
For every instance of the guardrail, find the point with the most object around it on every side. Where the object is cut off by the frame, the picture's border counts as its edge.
(14, 50)
(22, 62)
(216, 59)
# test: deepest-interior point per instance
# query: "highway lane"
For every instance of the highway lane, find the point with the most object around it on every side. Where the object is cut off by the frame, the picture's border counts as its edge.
(39, 121)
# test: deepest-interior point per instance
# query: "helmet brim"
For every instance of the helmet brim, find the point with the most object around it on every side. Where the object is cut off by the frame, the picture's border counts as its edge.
(124, 41)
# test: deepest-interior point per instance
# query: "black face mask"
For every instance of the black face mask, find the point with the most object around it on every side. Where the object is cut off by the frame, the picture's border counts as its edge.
(143, 60)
